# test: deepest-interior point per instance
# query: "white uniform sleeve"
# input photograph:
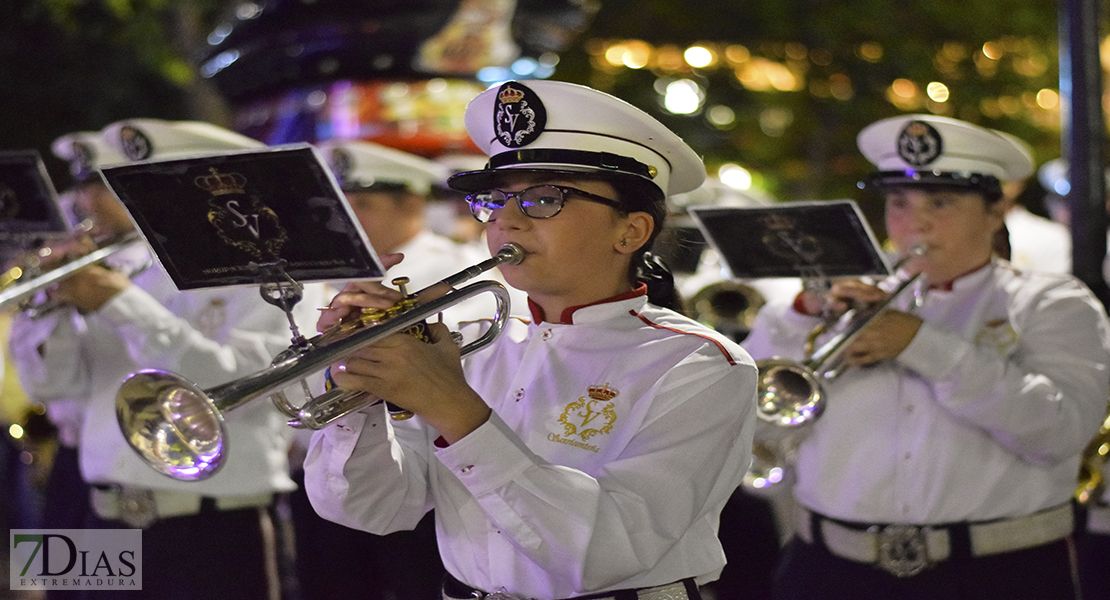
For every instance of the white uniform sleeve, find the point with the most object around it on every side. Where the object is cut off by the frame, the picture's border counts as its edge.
(1043, 400)
(157, 338)
(779, 331)
(47, 357)
(384, 489)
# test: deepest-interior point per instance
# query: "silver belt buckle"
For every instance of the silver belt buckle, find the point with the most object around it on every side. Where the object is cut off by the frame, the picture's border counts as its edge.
(137, 507)
(902, 550)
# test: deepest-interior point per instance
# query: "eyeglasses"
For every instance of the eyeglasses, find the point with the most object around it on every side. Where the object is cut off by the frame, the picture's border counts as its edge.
(537, 202)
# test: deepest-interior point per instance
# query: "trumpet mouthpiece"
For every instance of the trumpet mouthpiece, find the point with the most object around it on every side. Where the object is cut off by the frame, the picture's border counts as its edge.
(511, 254)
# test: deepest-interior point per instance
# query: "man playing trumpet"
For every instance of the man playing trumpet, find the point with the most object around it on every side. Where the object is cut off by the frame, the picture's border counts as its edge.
(944, 463)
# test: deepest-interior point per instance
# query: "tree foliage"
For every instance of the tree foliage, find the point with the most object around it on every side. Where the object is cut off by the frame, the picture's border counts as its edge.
(67, 65)
(70, 65)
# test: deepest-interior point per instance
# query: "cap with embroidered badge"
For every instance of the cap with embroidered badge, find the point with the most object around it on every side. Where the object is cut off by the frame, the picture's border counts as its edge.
(85, 151)
(1054, 177)
(930, 149)
(554, 126)
(459, 162)
(714, 192)
(154, 139)
(360, 165)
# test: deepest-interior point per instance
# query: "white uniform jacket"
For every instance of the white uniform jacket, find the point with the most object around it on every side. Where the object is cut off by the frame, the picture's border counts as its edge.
(208, 336)
(613, 445)
(982, 416)
(1038, 243)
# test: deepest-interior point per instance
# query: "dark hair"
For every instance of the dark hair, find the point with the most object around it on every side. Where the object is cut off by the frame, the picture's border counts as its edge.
(642, 196)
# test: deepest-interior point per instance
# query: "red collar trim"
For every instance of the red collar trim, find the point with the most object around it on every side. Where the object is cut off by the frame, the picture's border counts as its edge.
(946, 286)
(568, 313)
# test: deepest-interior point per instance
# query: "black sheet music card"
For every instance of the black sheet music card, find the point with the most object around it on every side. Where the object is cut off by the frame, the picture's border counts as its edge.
(213, 220)
(29, 206)
(827, 238)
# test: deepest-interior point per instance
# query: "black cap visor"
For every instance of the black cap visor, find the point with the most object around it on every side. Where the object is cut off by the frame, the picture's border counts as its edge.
(988, 185)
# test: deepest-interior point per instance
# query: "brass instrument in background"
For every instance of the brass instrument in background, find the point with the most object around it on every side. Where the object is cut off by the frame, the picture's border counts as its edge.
(1091, 482)
(178, 428)
(791, 395)
(729, 307)
(21, 282)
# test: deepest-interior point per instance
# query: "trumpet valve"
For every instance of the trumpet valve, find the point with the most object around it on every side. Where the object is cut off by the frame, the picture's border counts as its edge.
(372, 316)
(401, 282)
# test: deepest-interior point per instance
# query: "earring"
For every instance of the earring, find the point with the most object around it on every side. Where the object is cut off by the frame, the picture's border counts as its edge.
(624, 243)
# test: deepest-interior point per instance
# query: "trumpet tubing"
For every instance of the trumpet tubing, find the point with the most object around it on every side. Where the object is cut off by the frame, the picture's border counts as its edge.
(791, 394)
(178, 428)
(19, 284)
(1091, 482)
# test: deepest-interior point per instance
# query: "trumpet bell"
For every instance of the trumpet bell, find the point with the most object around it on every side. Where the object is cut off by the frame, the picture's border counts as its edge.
(729, 307)
(172, 425)
(789, 394)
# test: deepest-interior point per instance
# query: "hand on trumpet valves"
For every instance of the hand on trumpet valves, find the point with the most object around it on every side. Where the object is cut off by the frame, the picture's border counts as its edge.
(423, 377)
(90, 288)
(359, 295)
(884, 338)
(841, 296)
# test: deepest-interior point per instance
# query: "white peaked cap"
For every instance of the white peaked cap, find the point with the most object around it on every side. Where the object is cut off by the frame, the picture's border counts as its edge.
(924, 148)
(562, 127)
(1054, 177)
(714, 192)
(359, 165)
(85, 151)
(155, 139)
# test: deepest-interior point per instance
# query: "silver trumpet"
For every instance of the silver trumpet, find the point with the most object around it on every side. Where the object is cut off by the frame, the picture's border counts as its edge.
(791, 394)
(178, 428)
(20, 283)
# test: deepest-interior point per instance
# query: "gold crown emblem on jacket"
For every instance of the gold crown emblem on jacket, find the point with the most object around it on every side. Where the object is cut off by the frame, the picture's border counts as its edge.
(601, 392)
(509, 95)
(218, 184)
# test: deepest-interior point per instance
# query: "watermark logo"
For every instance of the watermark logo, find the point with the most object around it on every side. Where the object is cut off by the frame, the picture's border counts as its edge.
(75, 559)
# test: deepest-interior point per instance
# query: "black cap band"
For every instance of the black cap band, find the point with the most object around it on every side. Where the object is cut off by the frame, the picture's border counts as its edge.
(989, 185)
(600, 160)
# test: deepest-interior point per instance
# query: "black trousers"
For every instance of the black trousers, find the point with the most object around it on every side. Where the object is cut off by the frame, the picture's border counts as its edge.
(750, 538)
(1094, 561)
(66, 496)
(212, 555)
(334, 562)
(810, 572)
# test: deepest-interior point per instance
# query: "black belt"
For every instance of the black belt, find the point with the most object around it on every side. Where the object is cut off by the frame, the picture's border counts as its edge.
(455, 589)
(905, 550)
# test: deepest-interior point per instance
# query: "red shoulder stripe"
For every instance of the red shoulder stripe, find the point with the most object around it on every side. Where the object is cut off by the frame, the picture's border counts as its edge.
(720, 346)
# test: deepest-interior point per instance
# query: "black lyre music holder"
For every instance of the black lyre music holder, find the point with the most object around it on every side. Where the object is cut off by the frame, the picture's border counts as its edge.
(272, 217)
(816, 239)
(29, 206)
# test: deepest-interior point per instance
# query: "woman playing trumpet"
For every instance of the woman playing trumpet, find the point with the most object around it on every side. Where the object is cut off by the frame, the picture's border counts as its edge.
(943, 464)
(590, 450)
